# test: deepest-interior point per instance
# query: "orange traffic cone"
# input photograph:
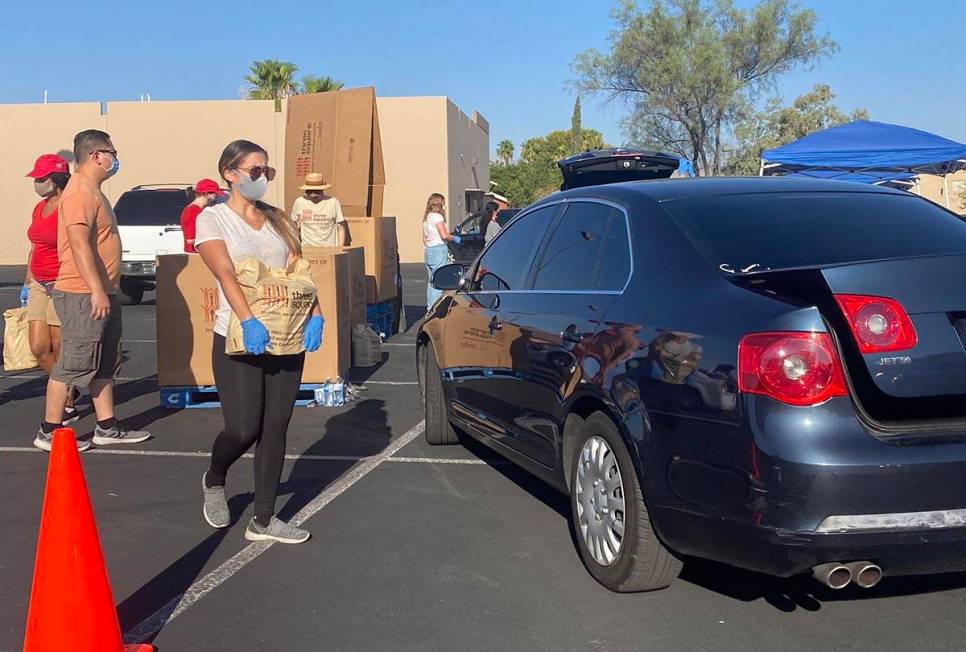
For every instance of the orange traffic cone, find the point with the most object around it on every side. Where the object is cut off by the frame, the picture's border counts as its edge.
(71, 607)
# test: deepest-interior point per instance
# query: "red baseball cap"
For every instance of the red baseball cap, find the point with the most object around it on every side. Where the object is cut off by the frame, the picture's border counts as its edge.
(207, 185)
(48, 164)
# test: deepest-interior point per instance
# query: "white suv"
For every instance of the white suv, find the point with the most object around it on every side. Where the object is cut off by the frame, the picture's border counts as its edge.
(149, 221)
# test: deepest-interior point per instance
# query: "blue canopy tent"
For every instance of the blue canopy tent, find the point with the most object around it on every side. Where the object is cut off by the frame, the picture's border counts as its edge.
(874, 150)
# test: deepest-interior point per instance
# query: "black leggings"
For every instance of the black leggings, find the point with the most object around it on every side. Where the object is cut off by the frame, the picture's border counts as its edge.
(257, 396)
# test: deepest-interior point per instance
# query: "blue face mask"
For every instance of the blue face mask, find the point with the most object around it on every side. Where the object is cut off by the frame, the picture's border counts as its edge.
(115, 166)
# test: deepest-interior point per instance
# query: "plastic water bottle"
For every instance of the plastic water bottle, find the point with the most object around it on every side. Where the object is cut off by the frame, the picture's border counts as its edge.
(327, 393)
(338, 392)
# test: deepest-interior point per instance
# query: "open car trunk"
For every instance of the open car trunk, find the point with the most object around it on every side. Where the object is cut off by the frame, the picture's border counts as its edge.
(921, 389)
(614, 166)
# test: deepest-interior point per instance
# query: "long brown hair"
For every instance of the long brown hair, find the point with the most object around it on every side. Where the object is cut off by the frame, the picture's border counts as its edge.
(435, 204)
(231, 157)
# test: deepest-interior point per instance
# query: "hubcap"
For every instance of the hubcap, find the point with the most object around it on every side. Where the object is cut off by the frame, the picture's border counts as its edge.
(599, 493)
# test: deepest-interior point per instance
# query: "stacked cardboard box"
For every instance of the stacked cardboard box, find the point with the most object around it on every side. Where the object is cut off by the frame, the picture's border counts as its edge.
(377, 235)
(357, 282)
(187, 298)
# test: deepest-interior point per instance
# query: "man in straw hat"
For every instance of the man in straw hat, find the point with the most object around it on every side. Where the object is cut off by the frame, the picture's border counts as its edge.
(318, 216)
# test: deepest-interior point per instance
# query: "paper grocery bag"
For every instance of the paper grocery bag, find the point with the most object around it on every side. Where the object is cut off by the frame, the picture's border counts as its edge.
(16, 345)
(281, 299)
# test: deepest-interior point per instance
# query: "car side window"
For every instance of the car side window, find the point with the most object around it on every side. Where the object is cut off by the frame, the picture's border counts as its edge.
(615, 259)
(570, 258)
(472, 225)
(504, 265)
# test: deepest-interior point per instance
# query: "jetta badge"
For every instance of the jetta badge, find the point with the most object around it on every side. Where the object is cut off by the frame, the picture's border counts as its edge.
(891, 362)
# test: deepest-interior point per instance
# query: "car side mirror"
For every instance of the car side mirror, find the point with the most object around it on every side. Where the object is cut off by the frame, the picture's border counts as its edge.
(448, 277)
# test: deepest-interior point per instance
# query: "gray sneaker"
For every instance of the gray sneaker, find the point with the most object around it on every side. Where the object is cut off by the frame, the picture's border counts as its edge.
(276, 531)
(118, 435)
(45, 442)
(216, 505)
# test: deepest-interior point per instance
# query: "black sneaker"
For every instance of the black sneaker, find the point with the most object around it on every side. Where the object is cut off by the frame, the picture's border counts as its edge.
(70, 416)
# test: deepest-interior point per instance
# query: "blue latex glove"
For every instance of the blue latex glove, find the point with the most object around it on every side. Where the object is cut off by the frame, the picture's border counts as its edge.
(24, 293)
(457, 239)
(255, 336)
(312, 337)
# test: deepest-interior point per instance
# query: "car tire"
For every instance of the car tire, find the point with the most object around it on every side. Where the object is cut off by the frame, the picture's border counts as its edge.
(438, 430)
(130, 294)
(640, 562)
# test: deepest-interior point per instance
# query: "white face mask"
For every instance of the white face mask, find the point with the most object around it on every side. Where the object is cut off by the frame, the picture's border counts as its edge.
(251, 190)
(44, 188)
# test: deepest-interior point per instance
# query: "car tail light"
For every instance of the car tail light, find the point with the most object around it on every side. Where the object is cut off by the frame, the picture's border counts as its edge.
(879, 324)
(794, 368)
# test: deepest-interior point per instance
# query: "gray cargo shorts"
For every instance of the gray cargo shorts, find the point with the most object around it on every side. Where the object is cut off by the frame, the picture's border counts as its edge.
(90, 348)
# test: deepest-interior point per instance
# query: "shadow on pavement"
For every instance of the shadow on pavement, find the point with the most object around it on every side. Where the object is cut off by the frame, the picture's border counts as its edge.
(359, 431)
(31, 388)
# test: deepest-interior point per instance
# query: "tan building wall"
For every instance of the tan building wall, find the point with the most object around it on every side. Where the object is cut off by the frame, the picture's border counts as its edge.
(180, 142)
(931, 187)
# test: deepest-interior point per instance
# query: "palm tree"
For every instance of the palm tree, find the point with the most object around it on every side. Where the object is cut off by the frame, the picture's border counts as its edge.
(316, 84)
(272, 79)
(504, 152)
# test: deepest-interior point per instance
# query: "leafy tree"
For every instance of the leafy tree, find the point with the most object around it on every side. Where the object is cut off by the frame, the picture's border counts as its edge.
(504, 152)
(271, 79)
(316, 84)
(777, 125)
(576, 131)
(535, 174)
(688, 68)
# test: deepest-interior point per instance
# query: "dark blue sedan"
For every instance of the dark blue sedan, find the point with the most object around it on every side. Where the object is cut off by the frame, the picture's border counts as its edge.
(766, 372)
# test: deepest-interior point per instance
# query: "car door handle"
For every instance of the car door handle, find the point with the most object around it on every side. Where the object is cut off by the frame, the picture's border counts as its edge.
(169, 229)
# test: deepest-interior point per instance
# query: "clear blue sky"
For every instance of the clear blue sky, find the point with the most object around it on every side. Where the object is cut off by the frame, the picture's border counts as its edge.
(510, 59)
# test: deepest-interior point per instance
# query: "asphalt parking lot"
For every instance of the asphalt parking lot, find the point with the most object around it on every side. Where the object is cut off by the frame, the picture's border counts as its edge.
(413, 547)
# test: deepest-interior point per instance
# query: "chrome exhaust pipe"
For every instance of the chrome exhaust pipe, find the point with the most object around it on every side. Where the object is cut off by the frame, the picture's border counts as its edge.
(865, 573)
(834, 575)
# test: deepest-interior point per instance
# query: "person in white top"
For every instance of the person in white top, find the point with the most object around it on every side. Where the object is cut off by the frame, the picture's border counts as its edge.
(318, 216)
(435, 237)
(257, 391)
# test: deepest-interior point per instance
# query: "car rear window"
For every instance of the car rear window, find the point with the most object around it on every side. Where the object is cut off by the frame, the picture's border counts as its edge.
(151, 207)
(757, 232)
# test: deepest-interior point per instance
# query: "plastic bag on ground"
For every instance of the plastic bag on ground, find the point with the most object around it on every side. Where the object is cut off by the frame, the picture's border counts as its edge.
(366, 346)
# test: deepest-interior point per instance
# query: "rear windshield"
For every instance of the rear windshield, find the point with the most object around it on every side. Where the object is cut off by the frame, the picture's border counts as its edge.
(151, 207)
(758, 232)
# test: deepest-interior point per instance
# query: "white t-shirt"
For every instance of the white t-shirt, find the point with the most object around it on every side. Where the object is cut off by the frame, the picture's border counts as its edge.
(430, 234)
(318, 222)
(219, 222)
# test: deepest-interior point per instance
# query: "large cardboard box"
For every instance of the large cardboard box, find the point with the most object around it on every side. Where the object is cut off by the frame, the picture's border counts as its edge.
(330, 270)
(377, 235)
(336, 134)
(357, 282)
(187, 298)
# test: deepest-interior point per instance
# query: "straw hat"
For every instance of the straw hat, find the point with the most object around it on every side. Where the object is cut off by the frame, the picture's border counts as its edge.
(315, 181)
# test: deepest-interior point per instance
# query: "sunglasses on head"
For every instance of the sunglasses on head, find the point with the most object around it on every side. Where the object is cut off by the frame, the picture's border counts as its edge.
(256, 171)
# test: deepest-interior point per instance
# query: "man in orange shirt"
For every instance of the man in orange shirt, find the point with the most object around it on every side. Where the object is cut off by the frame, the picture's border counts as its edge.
(85, 295)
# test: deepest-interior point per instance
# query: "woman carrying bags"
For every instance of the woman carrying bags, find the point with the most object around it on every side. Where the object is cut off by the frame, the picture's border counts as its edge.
(257, 390)
(50, 175)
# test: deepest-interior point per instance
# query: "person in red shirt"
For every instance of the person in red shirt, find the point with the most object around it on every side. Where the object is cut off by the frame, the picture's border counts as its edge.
(50, 174)
(206, 192)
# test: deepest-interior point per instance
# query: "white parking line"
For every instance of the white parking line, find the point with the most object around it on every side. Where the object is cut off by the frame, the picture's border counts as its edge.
(389, 382)
(292, 457)
(202, 587)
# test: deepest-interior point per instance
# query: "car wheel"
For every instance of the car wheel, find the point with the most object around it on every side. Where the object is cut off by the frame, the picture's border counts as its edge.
(130, 294)
(614, 535)
(439, 430)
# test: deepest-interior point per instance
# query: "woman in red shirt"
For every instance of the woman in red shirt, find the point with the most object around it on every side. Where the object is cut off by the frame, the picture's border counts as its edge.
(50, 175)
(206, 192)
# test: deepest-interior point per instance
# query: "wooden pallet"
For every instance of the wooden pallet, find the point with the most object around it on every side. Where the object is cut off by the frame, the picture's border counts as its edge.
(179, 398)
